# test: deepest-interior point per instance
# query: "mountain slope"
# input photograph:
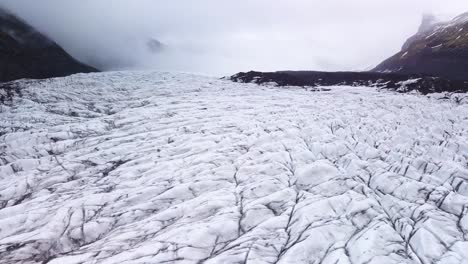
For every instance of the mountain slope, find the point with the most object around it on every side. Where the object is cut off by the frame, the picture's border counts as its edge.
(176, 168)
(438, 49)
(25, 53)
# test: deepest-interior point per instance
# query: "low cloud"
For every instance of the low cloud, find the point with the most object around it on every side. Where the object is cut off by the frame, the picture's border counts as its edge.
(223, 37)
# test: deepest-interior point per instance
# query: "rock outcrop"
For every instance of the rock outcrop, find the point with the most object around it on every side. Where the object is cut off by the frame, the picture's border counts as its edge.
(398, 82)
(26, 53)
(432, 61)
(438, 49)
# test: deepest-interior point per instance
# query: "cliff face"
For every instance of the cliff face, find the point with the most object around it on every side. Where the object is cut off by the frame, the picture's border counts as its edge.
(438, 49)
(26, 53)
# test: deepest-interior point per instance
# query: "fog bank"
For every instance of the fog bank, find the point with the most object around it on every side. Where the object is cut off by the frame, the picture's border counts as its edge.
(222, 37)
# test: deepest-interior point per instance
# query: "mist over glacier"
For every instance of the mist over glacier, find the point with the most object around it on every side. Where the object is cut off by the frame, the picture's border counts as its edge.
(221, 37)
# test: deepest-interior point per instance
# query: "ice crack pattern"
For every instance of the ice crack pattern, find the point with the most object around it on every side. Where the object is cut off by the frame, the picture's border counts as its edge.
(177, 168)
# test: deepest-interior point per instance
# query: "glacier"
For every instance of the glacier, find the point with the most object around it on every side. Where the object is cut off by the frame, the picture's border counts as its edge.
(153, 167)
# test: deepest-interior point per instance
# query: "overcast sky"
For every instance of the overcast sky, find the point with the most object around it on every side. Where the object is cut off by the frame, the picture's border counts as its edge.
(224, 37)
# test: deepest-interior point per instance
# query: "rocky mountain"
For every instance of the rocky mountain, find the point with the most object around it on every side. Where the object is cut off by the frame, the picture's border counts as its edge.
(432, 61)
(438, 49)
(26, 53)
(155, 46)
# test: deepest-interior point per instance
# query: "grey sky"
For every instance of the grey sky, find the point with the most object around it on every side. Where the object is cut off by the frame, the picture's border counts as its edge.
(223, 37)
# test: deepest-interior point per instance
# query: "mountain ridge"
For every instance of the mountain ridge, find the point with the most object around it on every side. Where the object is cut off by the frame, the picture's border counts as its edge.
(433, 60)
(27, 53)
(437, 49)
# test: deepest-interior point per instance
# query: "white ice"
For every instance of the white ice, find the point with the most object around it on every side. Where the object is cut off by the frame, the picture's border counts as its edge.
(178, 168)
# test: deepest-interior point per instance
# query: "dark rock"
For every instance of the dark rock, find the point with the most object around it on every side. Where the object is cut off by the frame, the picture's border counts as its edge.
(434, 60)
(438, 49)
(398, 82)
(155, 46)
(26, 53)
(8, 91)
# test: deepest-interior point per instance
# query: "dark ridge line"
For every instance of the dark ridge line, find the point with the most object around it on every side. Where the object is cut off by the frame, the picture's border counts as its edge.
(398, 82)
